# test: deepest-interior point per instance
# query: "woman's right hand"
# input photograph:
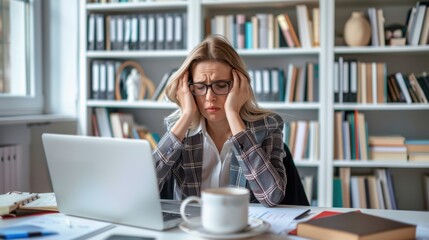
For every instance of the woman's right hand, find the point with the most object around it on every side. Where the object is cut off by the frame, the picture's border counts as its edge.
(185, 97)
(187, 104)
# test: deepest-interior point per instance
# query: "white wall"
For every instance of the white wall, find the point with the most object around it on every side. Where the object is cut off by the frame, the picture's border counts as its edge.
(60, 56)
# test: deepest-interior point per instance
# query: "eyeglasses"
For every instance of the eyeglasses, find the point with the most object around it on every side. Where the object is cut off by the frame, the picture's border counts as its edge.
(218, 88)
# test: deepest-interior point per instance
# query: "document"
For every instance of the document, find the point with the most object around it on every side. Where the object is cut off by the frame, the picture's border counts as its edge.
(65, 227)
(279, 217)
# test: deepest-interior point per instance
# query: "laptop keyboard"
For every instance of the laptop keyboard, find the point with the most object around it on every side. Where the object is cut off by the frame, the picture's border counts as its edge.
(170, 216)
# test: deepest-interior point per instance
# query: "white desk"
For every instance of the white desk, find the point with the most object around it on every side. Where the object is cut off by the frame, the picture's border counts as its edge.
(421, 219)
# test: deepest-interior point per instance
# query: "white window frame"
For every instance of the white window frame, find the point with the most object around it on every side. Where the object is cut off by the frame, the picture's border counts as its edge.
(33, 103)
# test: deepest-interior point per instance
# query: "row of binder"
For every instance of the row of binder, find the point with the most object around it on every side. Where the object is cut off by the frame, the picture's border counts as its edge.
(103, 74)
(10, 158)
(298, 84)
(151, 31)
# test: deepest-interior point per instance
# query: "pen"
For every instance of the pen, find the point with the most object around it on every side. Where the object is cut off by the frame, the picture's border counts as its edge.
(300, 216)
(24, 231)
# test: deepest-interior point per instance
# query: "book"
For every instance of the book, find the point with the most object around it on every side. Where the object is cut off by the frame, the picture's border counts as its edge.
(12, 201)
(355, 225)
(319, 215)
(45, 202)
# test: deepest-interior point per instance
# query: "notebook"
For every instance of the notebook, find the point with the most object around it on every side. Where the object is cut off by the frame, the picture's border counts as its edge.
(20, 203)
(10, 201)
(108, 179)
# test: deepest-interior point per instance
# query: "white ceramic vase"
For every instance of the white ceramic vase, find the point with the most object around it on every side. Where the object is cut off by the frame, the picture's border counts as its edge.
(357, 30)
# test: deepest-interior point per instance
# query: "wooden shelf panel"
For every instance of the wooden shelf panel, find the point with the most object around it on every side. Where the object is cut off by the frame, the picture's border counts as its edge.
(381, 164)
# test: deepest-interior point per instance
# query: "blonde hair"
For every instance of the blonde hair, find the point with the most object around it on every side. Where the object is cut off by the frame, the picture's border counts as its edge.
(213, 48)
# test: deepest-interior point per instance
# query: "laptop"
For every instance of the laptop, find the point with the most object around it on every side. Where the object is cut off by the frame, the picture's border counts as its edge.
(108, 179)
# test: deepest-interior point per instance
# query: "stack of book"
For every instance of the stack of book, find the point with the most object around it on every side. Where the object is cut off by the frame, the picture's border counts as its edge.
(418, 150)
(387, 148)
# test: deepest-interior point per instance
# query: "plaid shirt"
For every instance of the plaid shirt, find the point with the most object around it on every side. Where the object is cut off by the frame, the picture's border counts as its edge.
(257, 162)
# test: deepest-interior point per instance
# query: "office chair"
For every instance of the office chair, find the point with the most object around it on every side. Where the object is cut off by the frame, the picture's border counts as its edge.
(295, 194)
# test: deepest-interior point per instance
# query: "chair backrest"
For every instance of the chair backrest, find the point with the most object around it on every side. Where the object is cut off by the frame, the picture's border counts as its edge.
(295, 194)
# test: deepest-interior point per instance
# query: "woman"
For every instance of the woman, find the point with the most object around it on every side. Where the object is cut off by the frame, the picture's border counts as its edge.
(219, 137)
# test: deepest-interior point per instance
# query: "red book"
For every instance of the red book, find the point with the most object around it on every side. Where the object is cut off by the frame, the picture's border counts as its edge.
(320, 215)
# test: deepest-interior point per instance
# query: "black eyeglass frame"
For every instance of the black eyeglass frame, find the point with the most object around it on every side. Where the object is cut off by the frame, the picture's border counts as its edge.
(228, 82)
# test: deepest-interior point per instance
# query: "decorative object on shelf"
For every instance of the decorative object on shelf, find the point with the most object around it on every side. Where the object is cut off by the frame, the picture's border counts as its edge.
(357, 30)
(133, 85)
(395, 34)
(146, 88)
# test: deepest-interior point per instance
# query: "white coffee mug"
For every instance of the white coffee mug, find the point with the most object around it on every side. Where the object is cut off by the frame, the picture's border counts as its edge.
(223, 210)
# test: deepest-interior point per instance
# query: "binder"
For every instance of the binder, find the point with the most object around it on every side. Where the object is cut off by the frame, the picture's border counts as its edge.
(160, 31)
(143, 32)
(103, 81)
(178, 31)
(91, 32)
(282, 85)
(127, 32)
(120, 32)
(258, 85)
(110, 80)
(7, 168)
(266, 88)
(95, 80)
(134, 41)
(100, 41)
(13, 150)
(151, 31)
(252, 79)
(169, 31)
(108, 45)
(275, 84)
(111, 22)
(184, 30)
(1, 170)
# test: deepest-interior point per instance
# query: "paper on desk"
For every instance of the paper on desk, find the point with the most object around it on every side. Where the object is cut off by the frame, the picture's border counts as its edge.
(279, 217)
(68, 227)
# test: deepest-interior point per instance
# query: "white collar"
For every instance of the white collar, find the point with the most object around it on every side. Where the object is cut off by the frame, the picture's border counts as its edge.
(201, 127)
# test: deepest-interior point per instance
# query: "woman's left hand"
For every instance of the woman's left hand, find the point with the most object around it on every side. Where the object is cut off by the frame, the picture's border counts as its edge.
(239, 93)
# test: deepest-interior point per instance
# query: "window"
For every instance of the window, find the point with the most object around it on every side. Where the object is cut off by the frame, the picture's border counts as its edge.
(20, 57)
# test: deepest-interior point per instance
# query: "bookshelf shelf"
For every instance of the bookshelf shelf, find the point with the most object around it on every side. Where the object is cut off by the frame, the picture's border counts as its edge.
(163, 105)
(307, 163)
(144, 104)
(381, 164)
(285, 106)
(35, 119)
(279, 52)
(383, 50)
(135, 6)
(253, 3)
(387, 106)
(137, 54)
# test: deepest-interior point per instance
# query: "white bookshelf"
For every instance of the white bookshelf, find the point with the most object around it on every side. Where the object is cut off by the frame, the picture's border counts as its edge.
(332, 13)
(408, 120)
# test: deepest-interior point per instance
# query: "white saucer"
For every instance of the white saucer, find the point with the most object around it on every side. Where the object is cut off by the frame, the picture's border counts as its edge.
(255, 227)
